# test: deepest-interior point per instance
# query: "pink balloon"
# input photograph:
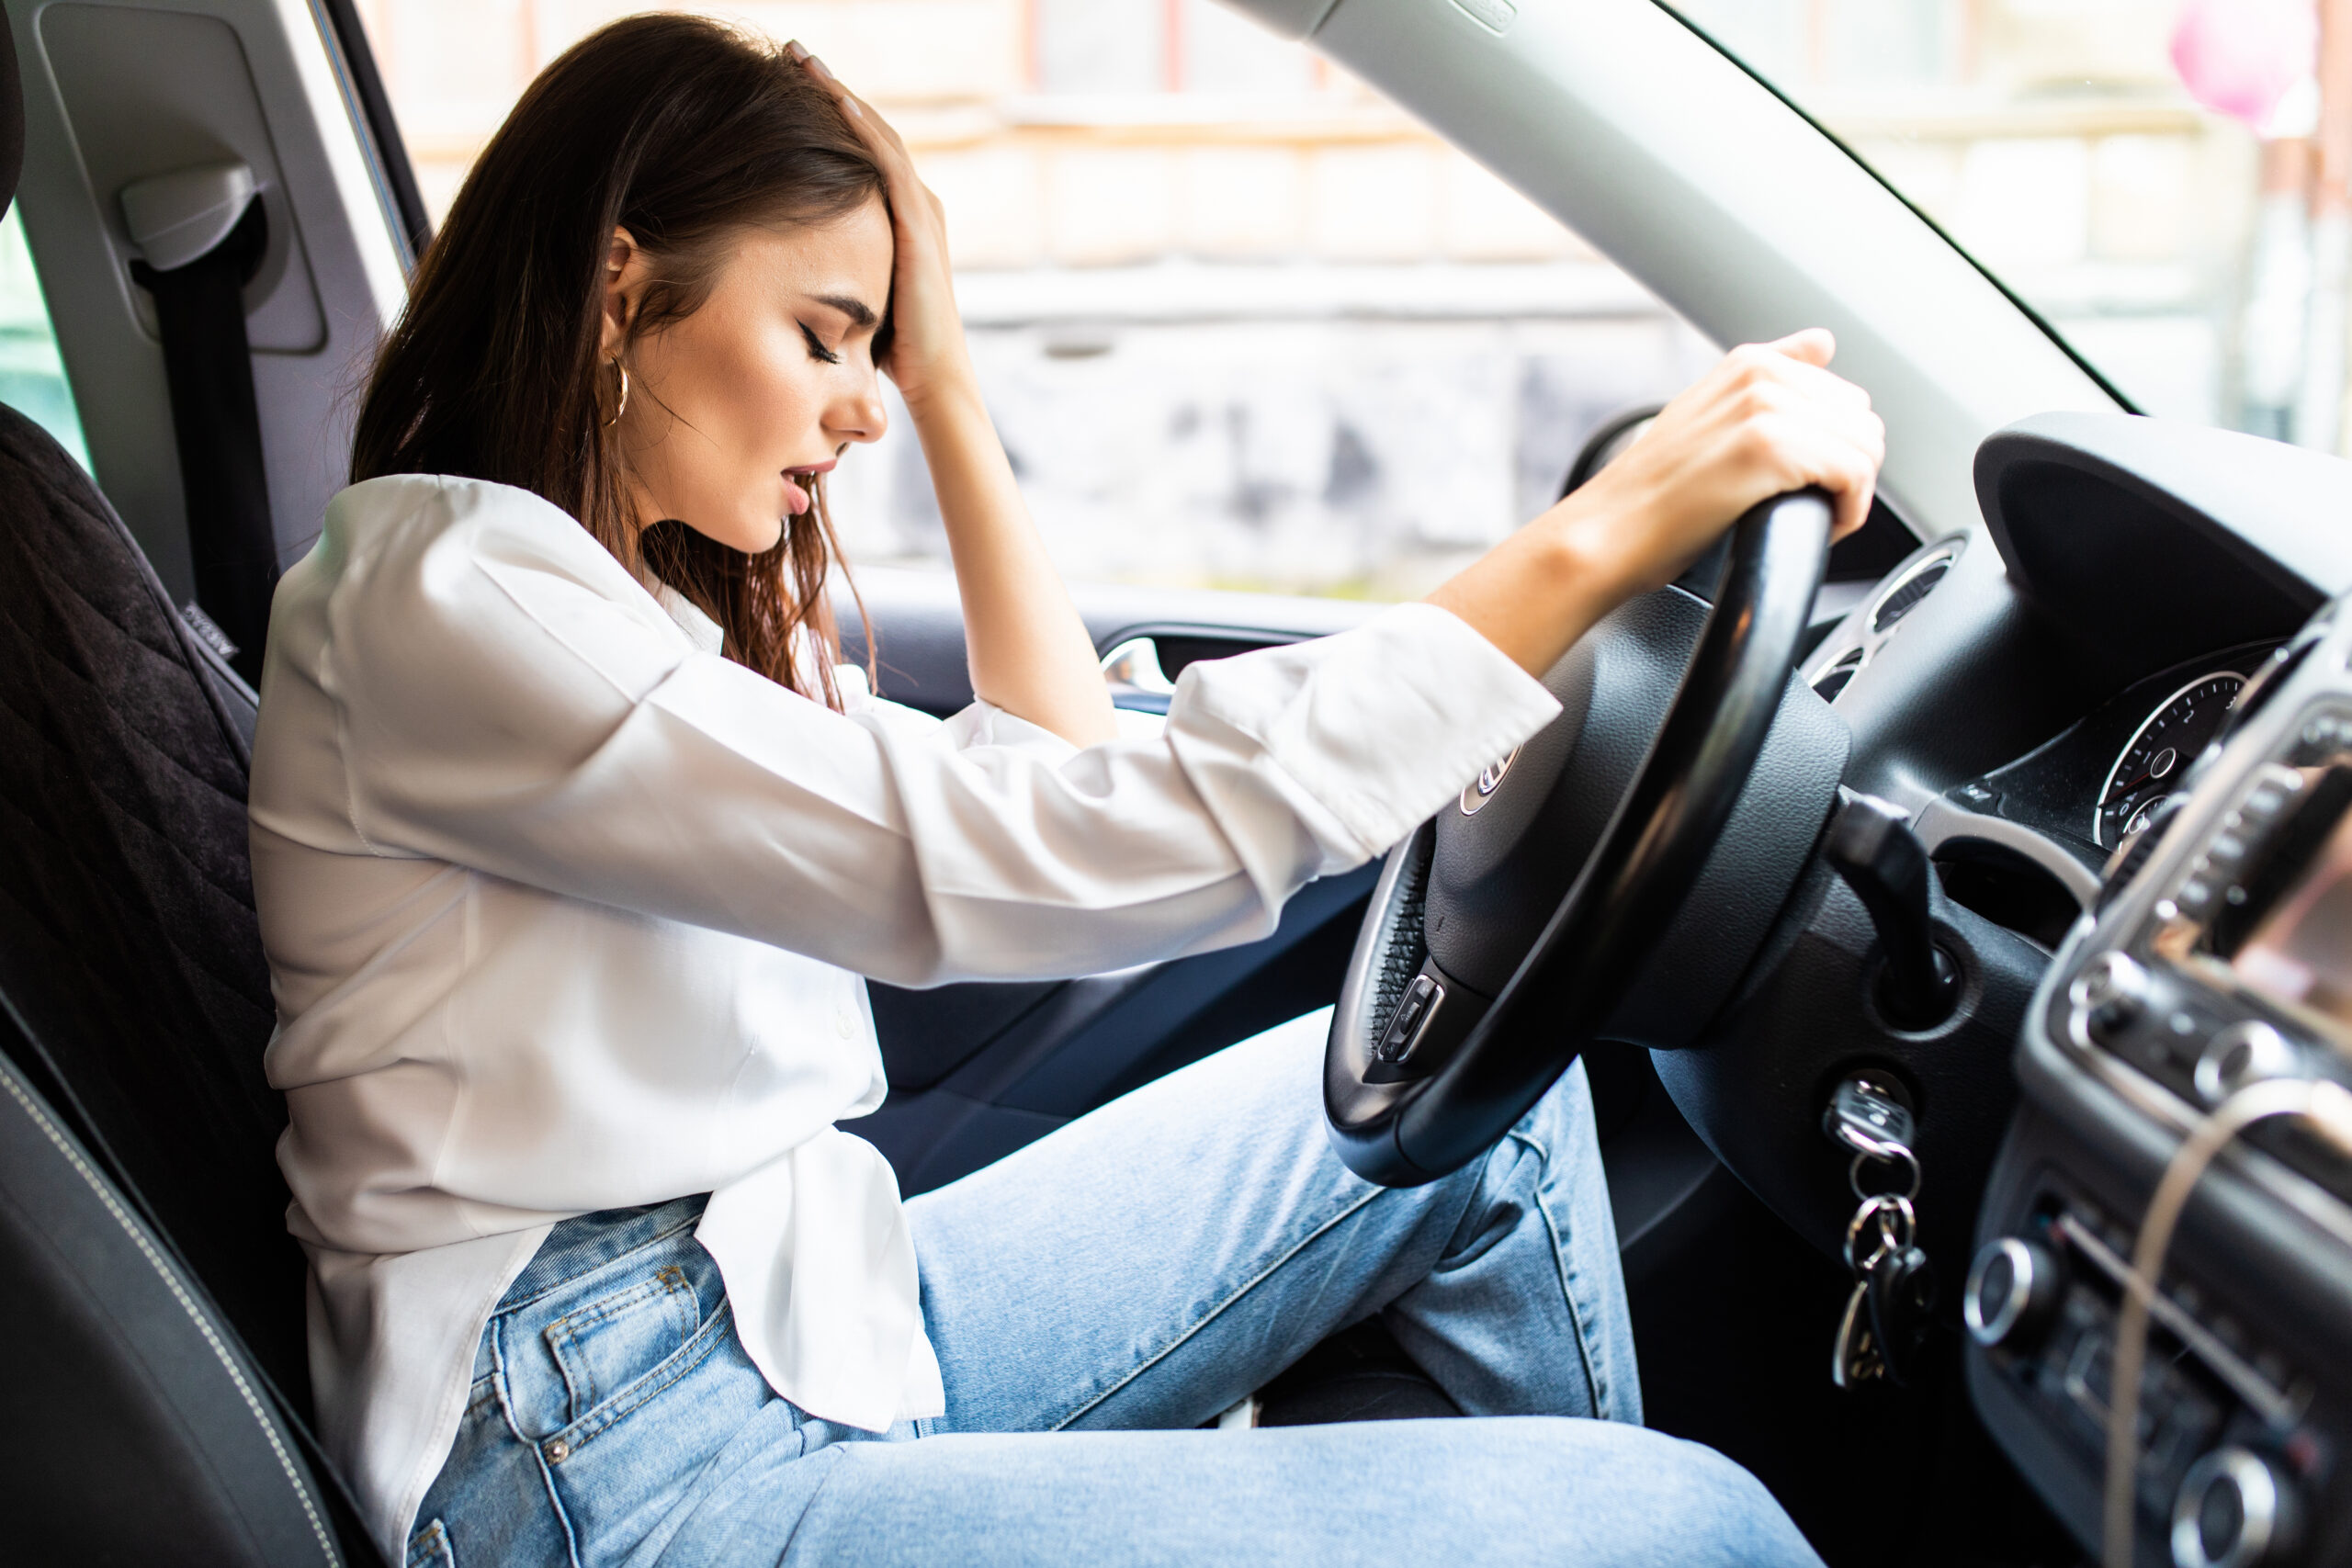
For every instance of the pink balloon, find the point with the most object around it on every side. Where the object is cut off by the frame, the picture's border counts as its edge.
(2240, 57)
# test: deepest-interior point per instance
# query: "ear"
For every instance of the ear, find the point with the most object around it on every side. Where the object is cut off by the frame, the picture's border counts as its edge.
(626, 266)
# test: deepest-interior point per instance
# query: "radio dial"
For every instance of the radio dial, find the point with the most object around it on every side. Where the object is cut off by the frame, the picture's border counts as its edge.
(2234, 1509)
(2247, 1051)
(2110, 992)
(2014, 1289)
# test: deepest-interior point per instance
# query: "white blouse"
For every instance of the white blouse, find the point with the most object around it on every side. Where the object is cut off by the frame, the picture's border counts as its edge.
(565, 912)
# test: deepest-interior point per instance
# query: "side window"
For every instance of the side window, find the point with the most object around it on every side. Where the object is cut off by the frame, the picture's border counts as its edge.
(32, 374)
(1243, 322)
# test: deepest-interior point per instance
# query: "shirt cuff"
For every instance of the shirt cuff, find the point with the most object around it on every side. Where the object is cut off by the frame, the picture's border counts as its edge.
(1381, 725)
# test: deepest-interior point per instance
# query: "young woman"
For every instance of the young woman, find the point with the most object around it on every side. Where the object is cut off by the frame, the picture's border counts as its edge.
(571, 843)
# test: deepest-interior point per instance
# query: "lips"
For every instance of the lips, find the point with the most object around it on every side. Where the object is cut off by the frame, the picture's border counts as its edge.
(798, 484)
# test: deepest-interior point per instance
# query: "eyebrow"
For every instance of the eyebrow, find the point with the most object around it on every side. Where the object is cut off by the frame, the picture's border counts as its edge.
(859, 312)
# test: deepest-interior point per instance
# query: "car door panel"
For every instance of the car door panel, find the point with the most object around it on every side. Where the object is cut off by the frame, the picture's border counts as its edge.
(920, 652)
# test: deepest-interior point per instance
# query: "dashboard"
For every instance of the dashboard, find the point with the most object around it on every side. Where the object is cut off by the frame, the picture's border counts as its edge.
(2036, 691)
(2025, 841)
(2120, 718)
(2219, 964)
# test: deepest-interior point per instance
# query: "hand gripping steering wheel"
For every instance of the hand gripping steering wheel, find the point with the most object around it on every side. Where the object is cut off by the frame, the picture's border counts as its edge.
(1424, 1070)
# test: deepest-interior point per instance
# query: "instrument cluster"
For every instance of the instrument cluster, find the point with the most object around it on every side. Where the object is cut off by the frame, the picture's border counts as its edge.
(2153, 762)
(2090, 787)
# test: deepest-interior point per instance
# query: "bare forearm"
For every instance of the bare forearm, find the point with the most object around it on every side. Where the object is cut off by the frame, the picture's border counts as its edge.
(1029, 652)
(1535, 593)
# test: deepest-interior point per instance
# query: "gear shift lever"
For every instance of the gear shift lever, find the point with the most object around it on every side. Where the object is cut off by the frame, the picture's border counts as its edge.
(1870, 844)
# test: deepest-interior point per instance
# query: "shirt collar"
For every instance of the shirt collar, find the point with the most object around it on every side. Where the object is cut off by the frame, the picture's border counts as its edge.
(700, 629)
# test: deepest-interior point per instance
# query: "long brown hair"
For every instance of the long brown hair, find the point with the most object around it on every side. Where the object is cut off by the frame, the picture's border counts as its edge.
(685, 133)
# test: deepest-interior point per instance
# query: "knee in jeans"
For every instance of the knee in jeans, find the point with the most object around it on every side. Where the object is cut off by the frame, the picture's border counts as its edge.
(1647, 1460)
(1722, 1512)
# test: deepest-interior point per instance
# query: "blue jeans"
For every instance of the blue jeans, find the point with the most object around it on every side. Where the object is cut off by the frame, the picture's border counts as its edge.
(1093, 1299)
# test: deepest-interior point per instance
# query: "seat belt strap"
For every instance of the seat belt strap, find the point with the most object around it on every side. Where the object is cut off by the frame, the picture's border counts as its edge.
(208, 364)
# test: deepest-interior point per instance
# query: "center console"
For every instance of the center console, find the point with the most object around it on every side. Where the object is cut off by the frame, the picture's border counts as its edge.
(2220, 957)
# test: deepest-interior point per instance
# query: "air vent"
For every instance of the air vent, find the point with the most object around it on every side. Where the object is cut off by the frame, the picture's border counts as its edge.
(1832, 681)
(1905, 596)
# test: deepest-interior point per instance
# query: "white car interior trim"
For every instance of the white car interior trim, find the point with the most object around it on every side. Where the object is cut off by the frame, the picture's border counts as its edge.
(1676, 165)
(175, 218)
(1940, 822)
(116, 95)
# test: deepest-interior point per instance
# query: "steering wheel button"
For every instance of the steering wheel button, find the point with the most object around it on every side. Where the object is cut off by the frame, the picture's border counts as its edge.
(1413, 1014)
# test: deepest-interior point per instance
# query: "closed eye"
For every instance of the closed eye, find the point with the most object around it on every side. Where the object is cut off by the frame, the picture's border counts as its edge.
(816, 348)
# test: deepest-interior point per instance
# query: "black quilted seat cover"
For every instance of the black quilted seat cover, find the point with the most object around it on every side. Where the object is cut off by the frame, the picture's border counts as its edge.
(127, 939)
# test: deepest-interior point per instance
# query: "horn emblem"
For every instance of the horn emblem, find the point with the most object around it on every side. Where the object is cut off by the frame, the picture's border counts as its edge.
(1490, 779)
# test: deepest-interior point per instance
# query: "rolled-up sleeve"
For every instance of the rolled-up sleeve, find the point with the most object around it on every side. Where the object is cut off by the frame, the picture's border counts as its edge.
(505, 704)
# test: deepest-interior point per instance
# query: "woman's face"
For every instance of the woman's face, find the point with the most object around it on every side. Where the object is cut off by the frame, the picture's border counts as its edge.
(733, 409)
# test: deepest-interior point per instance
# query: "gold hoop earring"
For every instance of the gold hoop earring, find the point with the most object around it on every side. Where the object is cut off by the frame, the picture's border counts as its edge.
(620, 405)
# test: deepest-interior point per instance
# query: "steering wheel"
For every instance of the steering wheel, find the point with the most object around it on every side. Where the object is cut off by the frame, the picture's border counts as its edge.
(1451, 1021)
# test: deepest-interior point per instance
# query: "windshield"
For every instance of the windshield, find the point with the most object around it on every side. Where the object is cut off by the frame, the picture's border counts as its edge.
(2147, 175)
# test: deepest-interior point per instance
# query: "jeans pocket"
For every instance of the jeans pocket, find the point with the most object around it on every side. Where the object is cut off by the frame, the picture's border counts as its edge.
(429, 1547)
(603, 1346)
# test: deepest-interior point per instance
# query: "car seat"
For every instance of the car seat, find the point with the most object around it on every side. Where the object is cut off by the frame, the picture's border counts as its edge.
(151, 1301)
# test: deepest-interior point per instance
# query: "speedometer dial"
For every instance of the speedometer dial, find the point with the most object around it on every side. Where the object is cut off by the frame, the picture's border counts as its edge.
(2157, 755)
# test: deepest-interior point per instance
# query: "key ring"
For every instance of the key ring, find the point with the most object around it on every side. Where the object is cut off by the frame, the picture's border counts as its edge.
(1882, 1153)
(1893, 1215)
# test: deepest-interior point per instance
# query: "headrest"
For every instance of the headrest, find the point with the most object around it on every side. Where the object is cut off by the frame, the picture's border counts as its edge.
(12, 117)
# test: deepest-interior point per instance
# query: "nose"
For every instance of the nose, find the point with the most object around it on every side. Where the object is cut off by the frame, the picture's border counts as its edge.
(858, 414)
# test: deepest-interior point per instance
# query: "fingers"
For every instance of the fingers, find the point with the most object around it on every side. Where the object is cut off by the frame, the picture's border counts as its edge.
(1849, 472)
(878, 133)
(1781, 420)
(1804, 371)
(1839, 450)
(1789, 378)
(908, 195)
(1814, 346)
